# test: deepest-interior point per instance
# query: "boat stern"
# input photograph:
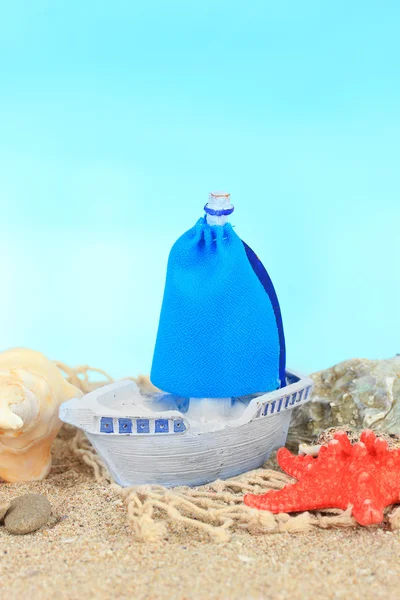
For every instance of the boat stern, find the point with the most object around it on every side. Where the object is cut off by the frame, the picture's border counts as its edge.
(74, 413)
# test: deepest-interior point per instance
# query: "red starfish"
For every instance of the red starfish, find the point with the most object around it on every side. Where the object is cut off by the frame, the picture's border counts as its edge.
(365, 475)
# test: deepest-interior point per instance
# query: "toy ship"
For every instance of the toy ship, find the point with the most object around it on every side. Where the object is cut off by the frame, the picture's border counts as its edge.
(141, 445)
(220, 360)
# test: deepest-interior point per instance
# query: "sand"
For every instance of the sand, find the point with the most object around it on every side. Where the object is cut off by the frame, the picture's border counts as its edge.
(87, 551)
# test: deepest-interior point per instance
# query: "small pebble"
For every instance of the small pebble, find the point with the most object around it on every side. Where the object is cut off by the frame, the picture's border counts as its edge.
(27, 513)
(4, 506)
(245, 559)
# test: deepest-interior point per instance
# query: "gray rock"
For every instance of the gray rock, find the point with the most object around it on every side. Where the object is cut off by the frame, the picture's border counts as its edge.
(357, 393)
(4, 506)
(27, 513)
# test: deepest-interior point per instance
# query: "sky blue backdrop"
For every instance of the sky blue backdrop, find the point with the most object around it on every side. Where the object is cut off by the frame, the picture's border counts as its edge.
(117, 119)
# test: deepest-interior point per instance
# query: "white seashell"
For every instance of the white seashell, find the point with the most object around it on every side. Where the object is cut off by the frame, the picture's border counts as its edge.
(31, 391)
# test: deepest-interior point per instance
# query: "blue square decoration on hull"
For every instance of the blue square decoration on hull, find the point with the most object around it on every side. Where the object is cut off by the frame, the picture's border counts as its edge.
(125, 425)
(143, 426)
(161, 426)
(106, 425)
(179, 426)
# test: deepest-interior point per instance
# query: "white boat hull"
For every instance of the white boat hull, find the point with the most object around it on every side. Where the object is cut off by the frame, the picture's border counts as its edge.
(191, 459)
(143, 447)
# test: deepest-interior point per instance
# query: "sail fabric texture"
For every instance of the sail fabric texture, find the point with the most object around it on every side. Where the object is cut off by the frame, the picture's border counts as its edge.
(219, 335)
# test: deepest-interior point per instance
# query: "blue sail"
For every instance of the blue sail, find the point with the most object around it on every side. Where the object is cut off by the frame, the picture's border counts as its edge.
(220, 333)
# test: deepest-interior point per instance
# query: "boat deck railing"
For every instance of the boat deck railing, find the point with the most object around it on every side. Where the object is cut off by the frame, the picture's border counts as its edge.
(286, 400)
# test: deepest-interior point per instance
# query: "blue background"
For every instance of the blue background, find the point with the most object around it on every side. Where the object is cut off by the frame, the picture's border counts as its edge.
(117, 119)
